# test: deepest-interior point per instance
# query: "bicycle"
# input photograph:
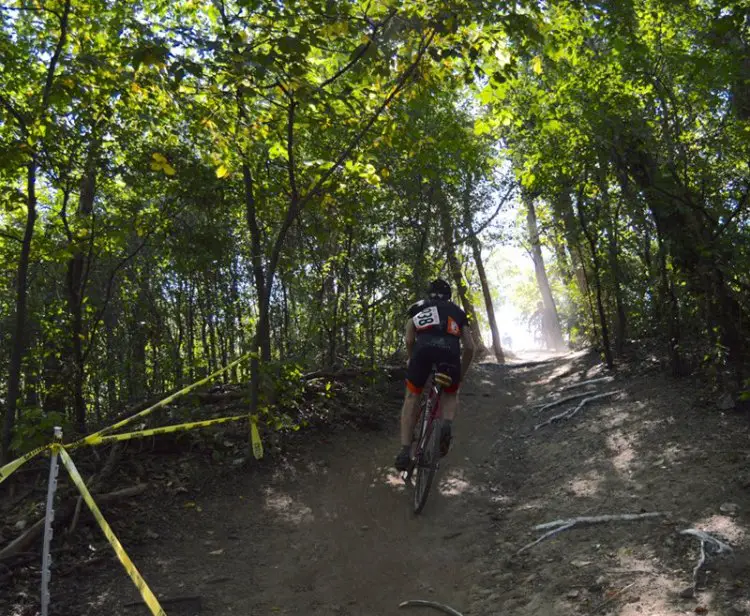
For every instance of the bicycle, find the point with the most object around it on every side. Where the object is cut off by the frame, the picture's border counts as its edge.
(426, 444)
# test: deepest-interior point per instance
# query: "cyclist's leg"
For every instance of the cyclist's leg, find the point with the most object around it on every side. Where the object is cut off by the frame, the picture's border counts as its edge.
(449, 400)
(416, 375)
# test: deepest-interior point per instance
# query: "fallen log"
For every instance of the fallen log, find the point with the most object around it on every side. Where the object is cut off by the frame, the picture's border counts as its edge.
(62, 515)
(343, 373)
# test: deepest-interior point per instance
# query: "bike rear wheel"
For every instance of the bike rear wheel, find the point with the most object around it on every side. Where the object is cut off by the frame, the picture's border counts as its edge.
(427, 462)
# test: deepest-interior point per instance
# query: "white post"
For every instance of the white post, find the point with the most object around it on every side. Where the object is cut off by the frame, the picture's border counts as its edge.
(48, 519)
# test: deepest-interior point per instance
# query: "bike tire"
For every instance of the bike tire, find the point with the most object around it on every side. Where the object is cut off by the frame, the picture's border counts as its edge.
(427, 465)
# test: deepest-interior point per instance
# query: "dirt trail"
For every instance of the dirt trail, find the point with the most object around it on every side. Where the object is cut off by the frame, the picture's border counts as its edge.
(330, 530)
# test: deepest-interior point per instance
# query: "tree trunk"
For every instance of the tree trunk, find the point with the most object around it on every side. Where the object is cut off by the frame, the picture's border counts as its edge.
(563, 208)
(456, 273)
(18, 336)
(177, 350)
(112, 356)
(205, 346)
(262, 283)
(476, 248)
(614, 266)
(693, 248)
(592, 240)
(422, 229)
(17, 339)
(238, 345)
(673, 315)
(77, 287)
(191, 331)
(612, 255)
(551, 322)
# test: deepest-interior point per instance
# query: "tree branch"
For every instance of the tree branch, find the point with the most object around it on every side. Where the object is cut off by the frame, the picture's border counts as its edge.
(740, 206)
(30, 9)
(56, 55)
(474, 232)
(358, 138)
(290, 148)
(15, 113)
(108, 296)
(359, 55)
(10, 236)
(295, 208)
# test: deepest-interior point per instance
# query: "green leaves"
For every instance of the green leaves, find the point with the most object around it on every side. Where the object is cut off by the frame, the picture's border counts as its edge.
(278, 150)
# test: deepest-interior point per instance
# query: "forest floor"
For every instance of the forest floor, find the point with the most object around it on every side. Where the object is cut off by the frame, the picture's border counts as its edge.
(327, 528)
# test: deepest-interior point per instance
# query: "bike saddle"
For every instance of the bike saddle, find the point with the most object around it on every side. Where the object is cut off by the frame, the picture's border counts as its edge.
(441, 378)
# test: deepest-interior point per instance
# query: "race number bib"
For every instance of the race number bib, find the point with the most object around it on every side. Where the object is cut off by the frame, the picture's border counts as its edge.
(429, 317)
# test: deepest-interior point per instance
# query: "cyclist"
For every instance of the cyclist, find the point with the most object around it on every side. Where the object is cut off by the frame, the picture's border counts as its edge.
(437, 332)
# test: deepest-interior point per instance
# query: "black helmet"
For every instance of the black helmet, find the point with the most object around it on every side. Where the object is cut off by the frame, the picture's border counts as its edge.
(439, 289)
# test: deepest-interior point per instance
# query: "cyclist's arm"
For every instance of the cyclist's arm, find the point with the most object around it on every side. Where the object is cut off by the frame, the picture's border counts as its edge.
(410, 336)
(467, 350)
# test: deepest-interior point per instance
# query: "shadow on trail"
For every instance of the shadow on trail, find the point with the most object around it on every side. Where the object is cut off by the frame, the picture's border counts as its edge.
(329, 528)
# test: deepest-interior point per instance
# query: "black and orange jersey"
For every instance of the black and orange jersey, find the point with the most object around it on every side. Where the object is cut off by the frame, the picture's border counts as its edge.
(437, 317)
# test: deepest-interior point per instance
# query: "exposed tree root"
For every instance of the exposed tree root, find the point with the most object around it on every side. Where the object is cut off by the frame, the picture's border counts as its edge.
(707, 541)
(603, 379)
(570, 413)
(438, 606)
(559, 526)
(549, 405)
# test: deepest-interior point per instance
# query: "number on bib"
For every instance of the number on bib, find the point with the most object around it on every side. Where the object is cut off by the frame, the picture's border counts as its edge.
(429, 317)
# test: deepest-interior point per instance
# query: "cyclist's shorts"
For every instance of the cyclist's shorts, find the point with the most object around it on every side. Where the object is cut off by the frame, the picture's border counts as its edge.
(428, 352)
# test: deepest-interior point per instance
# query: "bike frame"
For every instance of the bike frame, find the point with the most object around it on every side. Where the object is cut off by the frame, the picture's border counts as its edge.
(432, 407)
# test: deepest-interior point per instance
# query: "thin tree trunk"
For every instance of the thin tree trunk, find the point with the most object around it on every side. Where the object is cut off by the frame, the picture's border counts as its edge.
(597, 284)
(347, 282)
(476, 248)
(210, 318)
(18, 342)
(614, 265)
(191, 330)
(238, 346)
(110, 322)
(563, 207)
(551, 323)
(17, 339)
(457, 275)
(612, 255)
(262, 286)
(77, 287)
(673, 315)
(177, 351)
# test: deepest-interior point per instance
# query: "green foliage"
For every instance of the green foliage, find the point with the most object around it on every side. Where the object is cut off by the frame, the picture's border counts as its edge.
(206, 171)
(35, 428)
(618, 118)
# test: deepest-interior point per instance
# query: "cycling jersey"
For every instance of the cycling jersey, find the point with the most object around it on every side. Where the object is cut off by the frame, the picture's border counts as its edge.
(438, 317)
(438, 325)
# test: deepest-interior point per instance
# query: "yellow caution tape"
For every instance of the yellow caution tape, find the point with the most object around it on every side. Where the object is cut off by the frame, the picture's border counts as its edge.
(7, 470)
(255, 438)
(98, 440)
(92, 438)
(148, 597)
